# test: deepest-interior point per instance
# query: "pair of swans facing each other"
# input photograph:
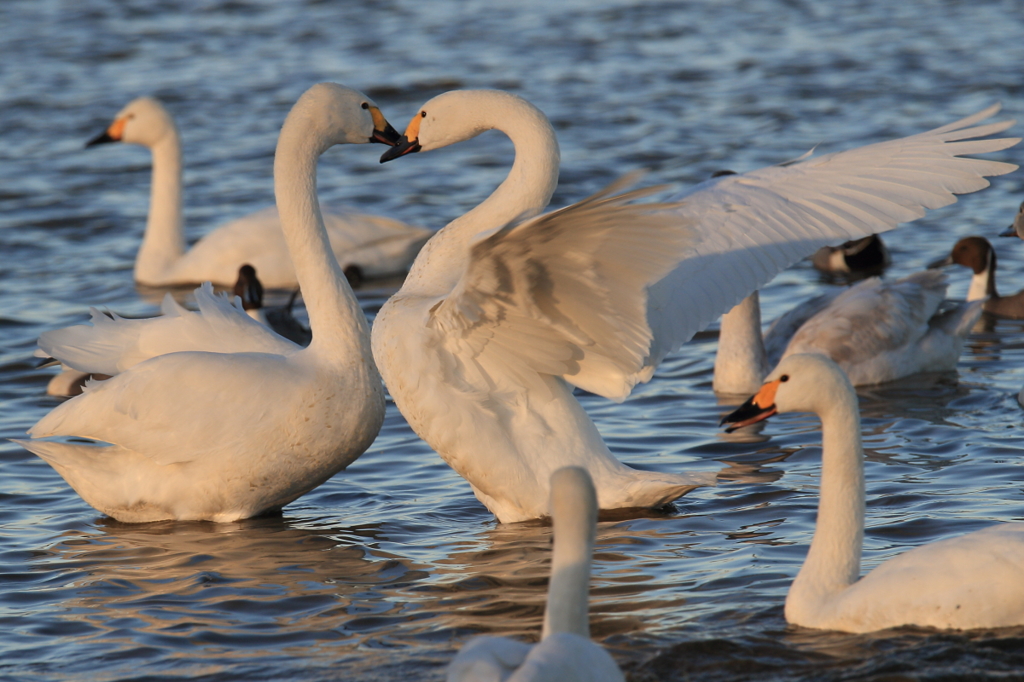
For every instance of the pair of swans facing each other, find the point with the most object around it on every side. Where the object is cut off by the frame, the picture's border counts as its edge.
(499, 315)
(365, 245)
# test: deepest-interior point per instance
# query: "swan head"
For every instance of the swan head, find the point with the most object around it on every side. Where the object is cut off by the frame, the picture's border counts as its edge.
(143, 121)
(335, 114)
(453, 117)
(1017, 228)
(803, 382)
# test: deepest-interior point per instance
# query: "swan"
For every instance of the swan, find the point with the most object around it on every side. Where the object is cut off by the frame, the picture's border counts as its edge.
(504, 311)
(257, 422)
(175, 329)
(876, 331)
(565, 652)
(1017, 228)
(365, 245)
(977, 254)
(967, 582)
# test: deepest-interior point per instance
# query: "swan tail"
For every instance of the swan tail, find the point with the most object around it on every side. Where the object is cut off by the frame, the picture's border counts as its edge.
(651, 489)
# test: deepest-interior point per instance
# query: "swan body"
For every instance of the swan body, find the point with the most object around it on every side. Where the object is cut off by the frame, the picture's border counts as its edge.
(876, 331)
(210, 415)
(503, 312)
(565, 652)
(967, 582)
(977, 254)
(365, 245)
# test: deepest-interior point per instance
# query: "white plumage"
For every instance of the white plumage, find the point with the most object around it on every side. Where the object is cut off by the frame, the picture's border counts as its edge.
(365, 245)
(501, 315)
(210, 414)
(967, 582)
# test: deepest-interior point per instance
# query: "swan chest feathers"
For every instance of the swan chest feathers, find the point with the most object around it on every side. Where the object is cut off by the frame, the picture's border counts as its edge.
(935, 585)
(277, 427)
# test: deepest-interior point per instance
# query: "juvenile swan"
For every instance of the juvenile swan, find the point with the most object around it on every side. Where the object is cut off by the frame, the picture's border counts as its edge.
(365, 245)
(972, 581)
(503, 313)
(221, 436)
(565, 652)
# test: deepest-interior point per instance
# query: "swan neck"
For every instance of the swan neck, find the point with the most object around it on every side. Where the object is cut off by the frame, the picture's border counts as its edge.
(568, 608)
(336, 321)
(163, 242)
(740, 362)
(525, 192)
(833, 561)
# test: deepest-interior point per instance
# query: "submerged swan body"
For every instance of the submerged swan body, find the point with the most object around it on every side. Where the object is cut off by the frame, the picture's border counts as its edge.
(876, 331)
(501, 315)
(972, 581)
(565, 652)
(365, 245)
(191, 434)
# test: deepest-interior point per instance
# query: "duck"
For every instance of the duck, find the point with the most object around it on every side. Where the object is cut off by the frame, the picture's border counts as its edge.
(854, 258)
(565, 651)
(877, 331)
(507, 310)
(241, 430)
(977, 254)
(365, 245)
(176, 329)
(962, 583)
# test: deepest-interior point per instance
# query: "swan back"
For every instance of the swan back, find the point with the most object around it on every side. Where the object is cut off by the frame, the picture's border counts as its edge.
(574, 518)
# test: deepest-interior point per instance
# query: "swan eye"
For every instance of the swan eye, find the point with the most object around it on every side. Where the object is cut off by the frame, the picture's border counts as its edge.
(423, 114)
(365, 105)
(784, 377)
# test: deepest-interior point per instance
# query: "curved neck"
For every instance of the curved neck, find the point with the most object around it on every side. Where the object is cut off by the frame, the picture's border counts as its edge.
(740, 361)
(336, 321)
(163, 242)
(524, 193)
(574, 517)
(983, 284)
(833, 561)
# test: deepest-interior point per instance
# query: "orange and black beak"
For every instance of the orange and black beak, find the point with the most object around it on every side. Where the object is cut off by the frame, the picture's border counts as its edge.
(382, 130)
(408, 143)
(111, 134)
(760, 406)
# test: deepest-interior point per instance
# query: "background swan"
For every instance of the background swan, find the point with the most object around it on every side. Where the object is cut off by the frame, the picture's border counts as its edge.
(565, 652)
(971, 581)
(501, 315)
(365, 245)
(231, 434)
(876, 331)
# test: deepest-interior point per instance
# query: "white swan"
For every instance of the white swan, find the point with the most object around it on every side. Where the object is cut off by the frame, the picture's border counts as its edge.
(116, 343)
(565, 652)
(972, 581)
(365, 245)
(499, 316)
(247, 428)
(876, 331)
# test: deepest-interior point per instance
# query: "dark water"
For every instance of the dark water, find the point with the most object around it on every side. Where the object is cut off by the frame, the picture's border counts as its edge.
(385, 570)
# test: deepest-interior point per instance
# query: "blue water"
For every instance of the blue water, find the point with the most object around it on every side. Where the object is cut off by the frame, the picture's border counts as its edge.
(385, 570)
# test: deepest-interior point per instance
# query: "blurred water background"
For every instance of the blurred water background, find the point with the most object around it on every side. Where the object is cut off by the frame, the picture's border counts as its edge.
(385, 570)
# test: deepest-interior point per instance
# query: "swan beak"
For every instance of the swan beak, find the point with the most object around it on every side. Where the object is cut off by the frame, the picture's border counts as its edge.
(941, 263)
(404, 146)
(382, 130)
(759, 407)
(111, 134)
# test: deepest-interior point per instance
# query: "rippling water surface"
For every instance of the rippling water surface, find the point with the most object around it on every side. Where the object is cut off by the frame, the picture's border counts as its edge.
(385, 570)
